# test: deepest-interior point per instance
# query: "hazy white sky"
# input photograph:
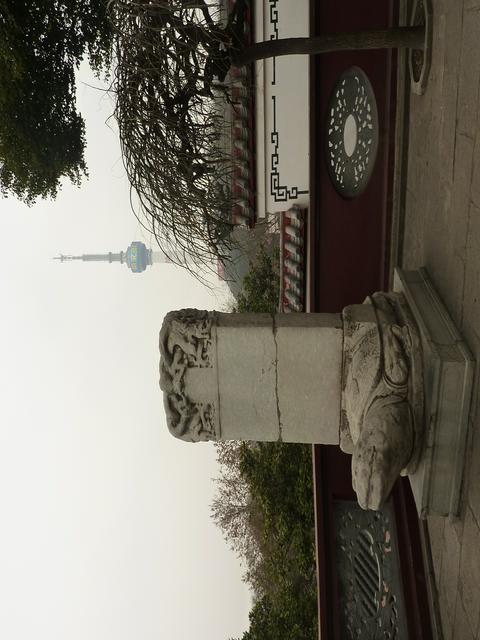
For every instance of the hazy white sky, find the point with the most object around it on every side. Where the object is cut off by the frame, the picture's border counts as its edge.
(105, 530)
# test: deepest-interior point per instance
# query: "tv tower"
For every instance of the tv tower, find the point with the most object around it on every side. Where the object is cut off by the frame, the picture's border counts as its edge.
(137, 257)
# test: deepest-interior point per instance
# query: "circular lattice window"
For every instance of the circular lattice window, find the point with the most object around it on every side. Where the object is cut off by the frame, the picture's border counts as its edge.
(352, 133)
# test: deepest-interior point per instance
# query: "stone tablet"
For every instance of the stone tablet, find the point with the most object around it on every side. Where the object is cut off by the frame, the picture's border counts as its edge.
(353, 379)
(252, 376)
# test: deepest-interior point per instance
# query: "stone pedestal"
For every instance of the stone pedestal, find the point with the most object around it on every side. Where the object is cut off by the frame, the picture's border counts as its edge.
(357, 379)
(448, 380)
(350, 379)
(382, 396)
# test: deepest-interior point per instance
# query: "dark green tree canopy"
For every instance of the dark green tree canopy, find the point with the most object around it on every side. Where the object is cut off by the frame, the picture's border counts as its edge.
(42, 136)
(261, 286)
(264, 507)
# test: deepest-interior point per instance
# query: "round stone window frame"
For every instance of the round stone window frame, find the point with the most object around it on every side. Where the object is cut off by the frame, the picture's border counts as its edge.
(352, 97)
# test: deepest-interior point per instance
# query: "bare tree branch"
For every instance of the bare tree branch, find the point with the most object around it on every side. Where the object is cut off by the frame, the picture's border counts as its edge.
(174, 124)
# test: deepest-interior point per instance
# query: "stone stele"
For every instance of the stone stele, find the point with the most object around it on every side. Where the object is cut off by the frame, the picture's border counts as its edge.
(353, 379)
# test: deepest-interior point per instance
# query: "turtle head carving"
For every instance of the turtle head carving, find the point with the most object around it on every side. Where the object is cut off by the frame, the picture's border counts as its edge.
(382, 451)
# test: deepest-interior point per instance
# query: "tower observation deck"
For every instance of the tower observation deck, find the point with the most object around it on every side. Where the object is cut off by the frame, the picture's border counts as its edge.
(137, 257)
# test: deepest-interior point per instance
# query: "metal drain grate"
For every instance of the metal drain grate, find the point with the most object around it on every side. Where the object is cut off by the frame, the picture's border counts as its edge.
(366, 570)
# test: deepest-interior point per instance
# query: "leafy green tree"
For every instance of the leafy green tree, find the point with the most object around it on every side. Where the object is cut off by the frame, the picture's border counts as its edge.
(266, 624)
(271, 620)
(274, 480)
(42, 135)
(264, 507)
(279, 478)
(234, 510)
(261, 286)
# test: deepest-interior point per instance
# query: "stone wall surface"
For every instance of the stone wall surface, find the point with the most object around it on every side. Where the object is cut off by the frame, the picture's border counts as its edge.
(442, 232)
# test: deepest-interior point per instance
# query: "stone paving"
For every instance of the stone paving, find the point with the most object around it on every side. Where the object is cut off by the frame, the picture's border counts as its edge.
(442, 232)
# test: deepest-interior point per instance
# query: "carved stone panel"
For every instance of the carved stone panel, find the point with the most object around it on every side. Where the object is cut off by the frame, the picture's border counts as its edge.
(382, 395)
(186, 343)
(352, 133)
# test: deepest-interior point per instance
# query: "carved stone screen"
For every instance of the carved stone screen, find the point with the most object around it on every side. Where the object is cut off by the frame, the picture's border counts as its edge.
(352, 133)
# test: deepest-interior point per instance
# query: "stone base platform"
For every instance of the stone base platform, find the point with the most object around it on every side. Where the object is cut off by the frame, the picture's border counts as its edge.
(448, 380)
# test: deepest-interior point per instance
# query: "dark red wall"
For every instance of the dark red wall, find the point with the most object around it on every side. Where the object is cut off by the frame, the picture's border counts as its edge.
(351, 234)
(349, 245)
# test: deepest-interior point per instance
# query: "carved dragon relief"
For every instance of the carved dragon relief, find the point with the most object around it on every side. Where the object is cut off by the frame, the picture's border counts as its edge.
(382, 396)
(186, 342)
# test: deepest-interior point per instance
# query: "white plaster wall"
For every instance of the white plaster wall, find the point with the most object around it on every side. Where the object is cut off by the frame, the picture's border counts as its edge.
(282, 110)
